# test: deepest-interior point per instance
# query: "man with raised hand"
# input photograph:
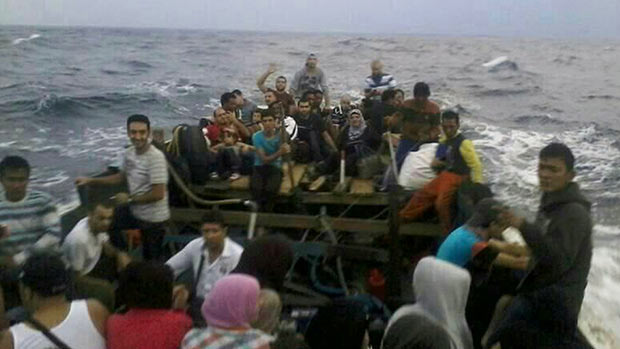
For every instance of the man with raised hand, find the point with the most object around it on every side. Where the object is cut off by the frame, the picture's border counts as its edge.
(145, 172)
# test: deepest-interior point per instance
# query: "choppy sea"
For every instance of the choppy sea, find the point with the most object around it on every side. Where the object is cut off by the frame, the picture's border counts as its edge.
(65, 94)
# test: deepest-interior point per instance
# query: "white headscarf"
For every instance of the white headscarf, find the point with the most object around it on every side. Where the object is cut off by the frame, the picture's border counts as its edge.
(441, 290)
(356, 132)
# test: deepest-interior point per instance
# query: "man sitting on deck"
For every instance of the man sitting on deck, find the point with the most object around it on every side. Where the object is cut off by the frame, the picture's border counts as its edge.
(311, 129)
(460, 163)
(87, 248)
(209, 257)
(229, 102)
(267, 174)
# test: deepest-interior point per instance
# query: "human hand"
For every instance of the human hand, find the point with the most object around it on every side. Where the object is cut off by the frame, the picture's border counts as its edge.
(121, 198)
(180, 297)
(509, 218)
(80, 181)
(4, 231)
(272, 68)
(285, 149)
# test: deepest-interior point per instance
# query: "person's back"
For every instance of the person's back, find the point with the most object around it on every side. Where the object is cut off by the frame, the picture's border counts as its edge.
(77, 329)
(150, 323)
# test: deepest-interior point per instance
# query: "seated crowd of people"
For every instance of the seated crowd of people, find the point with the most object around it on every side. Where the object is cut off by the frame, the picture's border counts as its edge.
(483, 284)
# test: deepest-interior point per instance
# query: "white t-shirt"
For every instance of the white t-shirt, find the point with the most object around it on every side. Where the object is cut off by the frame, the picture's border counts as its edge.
(82, 248)
(189, 257)
(76, 330)
(142, 171)
(416, 170)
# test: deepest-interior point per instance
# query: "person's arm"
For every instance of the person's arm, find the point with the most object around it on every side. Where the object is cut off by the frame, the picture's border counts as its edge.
(328, 139)
(267, 159)
(75, 252)
(325, 89)
(98, 314)
(260, 83)
(557, 249)
(182, 261)
(294, 87)
(6, 339)
(512, 249)
(50, 240)
(157, 193)
(468, 152)
(122, 259)
(115, 179)
(512, 262)
(243, 131)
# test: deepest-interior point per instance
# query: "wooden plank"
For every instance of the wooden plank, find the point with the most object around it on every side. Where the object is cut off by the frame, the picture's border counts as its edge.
(362, 187)
(298, 172)
(242, 183)
(279, 220)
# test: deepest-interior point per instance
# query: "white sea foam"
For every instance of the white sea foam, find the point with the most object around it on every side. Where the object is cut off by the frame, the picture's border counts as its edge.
(31, 37)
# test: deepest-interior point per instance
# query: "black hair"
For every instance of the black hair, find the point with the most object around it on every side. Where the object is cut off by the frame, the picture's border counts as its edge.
(226, 97)
(302, 100)
(388, 95)
(45, 274)
(146, 285)
(237, 92)
(104, 202)
(213, 216)
(306, 94)
(271, 90)
(203, 122)
(421, 89)
(281, 77)
(139, 118)
(559, 151)
(13, 162)
(450, 115)
(267, 113)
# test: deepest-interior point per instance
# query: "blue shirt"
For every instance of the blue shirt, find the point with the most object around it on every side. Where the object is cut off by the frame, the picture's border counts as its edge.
(268, 146)
(456, 248)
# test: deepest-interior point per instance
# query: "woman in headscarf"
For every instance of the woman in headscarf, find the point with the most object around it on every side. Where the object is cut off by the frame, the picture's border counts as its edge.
(229, 309)
(441, 289)
(416, 331)
(268, 259)
(269, 310)
(341, 325)
(357, 140)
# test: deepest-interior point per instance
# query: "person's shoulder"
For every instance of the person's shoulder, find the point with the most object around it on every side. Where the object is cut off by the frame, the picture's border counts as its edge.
(179, 318)
(234, 247)
(79, 233)
(39, 196)
(156, 153)
(96, 310)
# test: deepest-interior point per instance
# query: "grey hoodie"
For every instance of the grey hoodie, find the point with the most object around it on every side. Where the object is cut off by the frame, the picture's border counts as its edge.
(441, 290)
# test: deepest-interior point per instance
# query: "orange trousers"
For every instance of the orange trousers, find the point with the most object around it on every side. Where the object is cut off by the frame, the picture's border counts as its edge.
(439, 193)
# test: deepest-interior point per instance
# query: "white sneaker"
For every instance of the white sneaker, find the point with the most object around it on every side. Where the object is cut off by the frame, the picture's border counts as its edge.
(234, 176)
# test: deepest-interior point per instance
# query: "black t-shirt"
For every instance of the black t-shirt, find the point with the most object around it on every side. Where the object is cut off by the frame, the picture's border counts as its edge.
(312, 122)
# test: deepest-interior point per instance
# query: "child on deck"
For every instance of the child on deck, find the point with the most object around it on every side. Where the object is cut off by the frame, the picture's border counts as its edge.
(267, 174)
(228, 159)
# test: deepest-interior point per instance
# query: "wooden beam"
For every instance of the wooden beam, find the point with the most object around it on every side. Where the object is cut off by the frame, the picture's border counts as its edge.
(279, 220)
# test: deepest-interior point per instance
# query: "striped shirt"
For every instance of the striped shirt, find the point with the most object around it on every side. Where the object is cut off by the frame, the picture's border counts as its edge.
(381, 83)
(33, 225)
(216, 338)
(142, 171)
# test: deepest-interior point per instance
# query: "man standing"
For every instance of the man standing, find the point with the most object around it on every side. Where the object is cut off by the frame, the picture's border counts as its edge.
(146, 206)
(420, 102)
(310, 77)
(280, 92)
(459, 163)
(378, 81)
(209, 257)
(28, 218)
(545, 310)
(29, 222)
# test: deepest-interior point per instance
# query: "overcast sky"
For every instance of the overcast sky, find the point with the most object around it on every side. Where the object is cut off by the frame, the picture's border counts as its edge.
(549, 18)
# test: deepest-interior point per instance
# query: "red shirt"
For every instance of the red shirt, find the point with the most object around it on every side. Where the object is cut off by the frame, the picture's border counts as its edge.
(213, 133)
(147, 329)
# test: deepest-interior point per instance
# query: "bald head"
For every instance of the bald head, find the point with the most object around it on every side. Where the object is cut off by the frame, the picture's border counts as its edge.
(376, 67)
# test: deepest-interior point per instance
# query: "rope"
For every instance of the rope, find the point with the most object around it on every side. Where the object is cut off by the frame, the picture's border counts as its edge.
(193, 196)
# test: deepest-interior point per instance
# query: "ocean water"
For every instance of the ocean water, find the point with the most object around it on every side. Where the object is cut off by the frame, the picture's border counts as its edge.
(65, 94)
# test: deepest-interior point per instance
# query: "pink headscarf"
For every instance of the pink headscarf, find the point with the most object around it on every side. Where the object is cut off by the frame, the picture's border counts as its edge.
(233, 302)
